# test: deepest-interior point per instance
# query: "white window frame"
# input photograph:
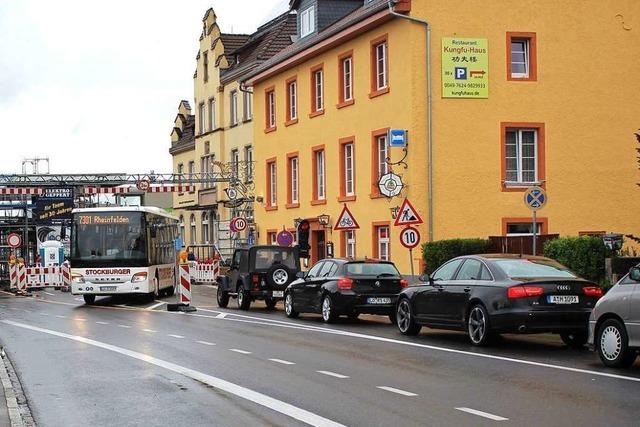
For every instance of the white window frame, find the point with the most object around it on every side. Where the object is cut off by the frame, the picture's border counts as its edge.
(212, 114)
(192, 229)
(307, 21)
(271, 106)
(382, 80)
(538, 229)
(292, 90)
(235, 162)
(273, 183)
(320, 175)
(519, 159)
(347, 79)
(182, 228)
(294, 166)
(201, 119)
(347, 152)
(382, 151)
(248, 105)
(318, 81)
(234, 108)
(350, 243)
(205, 228)
(248, 159)
(526, 50)
(383, 243)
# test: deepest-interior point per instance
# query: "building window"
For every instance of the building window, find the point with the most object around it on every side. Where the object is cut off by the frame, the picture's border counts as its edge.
(192, 169)
(233, 105)
(349, 244)
(181, 225)
(346, 79)
(205, 227)
(294, 179)
(317, 90)
(347, 169)
(212, 114)
(206, 163)
(270, 110)
(379, 66)
(193, 229)
(307, 22)
(521, 156)
(292, 101)
(248, 106)
(319, 182)
(235, 163)
(382, 247)
(180, 170)
(201, 117)
(205, 63)
(248, 163)
(379, 155)
(521, 56)
(272, 184)
(272, 237)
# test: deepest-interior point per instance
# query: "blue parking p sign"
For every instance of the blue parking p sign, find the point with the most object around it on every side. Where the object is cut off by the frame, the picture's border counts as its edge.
(397, 138)
(461, 73)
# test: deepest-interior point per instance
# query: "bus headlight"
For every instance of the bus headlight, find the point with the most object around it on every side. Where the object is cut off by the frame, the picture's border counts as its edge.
(77, 278)
(139, 277)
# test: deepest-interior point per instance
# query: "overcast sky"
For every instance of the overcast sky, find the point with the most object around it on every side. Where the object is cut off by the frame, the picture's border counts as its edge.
(95, 85)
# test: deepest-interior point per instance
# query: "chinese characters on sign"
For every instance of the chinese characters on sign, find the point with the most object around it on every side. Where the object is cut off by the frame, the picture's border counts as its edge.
(465, 68)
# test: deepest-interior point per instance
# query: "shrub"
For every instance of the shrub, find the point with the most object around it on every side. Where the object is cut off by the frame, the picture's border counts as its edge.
(437, 253)
(583, 255)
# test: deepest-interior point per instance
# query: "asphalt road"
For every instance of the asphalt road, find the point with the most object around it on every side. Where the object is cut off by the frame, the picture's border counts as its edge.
(128, 362)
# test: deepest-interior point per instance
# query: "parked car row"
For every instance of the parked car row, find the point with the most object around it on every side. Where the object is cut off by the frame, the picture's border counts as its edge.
(482, 295)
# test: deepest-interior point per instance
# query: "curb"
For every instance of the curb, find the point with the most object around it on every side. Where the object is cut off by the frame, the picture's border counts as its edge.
(12, 395)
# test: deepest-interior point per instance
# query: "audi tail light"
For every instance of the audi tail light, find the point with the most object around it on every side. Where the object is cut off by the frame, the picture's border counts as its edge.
(516, 292)
(593, 291)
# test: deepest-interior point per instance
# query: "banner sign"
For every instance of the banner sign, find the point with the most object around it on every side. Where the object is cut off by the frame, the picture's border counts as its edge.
(465, 68)
(54, 206)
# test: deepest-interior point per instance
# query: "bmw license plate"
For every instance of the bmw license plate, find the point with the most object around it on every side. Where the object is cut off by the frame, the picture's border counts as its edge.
(277, 294)
(378, 300)
(107, 288)
(563, 299)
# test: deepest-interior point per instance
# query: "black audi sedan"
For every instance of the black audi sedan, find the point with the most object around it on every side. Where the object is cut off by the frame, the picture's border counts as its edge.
(335, 287)
(486, 295)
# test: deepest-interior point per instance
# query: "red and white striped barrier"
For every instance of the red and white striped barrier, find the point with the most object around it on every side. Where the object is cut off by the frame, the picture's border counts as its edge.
(151, 189)
(26, 278)
(184, 288)
(205, 273)
(21, 191)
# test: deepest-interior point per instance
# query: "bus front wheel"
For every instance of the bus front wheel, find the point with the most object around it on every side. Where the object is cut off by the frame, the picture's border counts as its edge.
(89, 299)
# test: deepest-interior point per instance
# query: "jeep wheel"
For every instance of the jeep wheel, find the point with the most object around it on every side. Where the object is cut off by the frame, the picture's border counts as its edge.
(222, 297)
(278, 276)
(244, 299)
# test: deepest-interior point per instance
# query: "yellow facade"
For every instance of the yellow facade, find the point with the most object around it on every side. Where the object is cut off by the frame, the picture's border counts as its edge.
(583, 105)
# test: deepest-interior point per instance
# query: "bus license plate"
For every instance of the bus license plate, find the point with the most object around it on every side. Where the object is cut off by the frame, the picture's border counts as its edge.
(378, 300)
(277, 294)
(107, 288)
(563, 299)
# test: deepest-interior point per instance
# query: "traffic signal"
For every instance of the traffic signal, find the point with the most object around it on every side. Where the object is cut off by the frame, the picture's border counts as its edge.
(303, 238)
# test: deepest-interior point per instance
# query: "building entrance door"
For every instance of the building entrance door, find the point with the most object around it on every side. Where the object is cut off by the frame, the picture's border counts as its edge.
(318, 244)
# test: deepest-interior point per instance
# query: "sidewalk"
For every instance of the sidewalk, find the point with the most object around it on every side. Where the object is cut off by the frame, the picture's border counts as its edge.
(9, 412)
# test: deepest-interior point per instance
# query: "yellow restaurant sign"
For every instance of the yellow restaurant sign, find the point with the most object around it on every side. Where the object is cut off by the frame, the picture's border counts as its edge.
(465, 68)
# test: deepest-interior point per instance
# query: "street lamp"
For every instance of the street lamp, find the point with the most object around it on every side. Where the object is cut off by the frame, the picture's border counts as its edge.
(323, 220)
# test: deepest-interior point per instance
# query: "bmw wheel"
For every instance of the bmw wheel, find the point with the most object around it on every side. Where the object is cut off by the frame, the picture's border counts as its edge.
(328, 312)
(404, 318)
(288, 306)
(478, 325)
(612, 343)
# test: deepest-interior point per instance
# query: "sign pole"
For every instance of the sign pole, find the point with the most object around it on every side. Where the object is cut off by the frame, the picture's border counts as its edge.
(411, 260)
(535, 226)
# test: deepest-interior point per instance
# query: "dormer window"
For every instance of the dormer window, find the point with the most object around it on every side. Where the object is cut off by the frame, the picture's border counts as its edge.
(307, 21)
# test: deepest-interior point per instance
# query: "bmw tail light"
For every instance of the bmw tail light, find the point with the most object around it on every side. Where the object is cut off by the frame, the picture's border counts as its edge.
(345, 283)
(403, 283)
(516, 292)
(592, 291)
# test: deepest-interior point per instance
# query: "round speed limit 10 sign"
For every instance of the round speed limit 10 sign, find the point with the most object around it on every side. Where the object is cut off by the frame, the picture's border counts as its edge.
(410, 237)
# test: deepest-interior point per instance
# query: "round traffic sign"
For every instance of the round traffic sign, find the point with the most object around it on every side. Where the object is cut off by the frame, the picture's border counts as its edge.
(238, 224)
(535, 198)
(232, 193)
(14, 240)
(284, 238)
(410, 237)
(143, 184)
(390, 184)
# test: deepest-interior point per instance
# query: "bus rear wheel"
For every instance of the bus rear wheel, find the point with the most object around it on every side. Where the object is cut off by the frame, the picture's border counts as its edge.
(89, 299)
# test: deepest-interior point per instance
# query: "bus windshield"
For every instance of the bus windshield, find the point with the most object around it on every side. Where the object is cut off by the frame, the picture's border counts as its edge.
(108, 238)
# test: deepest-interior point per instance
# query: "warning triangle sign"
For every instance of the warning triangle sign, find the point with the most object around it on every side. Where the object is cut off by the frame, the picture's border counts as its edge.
(407, 214)
(346, 221)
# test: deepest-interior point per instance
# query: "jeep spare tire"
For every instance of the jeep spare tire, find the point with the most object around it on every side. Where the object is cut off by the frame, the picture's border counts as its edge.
(279, 276)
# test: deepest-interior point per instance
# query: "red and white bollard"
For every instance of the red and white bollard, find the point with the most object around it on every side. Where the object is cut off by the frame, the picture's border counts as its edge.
(183, 291)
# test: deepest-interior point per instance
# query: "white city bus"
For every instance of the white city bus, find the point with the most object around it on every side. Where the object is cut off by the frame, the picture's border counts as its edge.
(122, 250)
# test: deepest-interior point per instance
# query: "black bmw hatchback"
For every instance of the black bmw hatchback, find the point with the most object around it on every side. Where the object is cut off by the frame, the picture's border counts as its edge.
(486, 295)
(335, 287)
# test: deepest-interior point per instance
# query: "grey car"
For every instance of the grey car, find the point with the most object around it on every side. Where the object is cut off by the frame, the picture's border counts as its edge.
(614, 325)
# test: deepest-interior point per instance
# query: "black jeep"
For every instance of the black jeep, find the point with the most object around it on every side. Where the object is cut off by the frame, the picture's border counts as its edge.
(258, 273)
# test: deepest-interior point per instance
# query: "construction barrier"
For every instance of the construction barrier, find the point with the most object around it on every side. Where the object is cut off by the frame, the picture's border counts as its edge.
(26, 278)
(184, 288)
(205, 273)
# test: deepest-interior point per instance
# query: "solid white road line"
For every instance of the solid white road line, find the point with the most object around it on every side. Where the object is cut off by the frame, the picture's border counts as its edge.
(154, 306)
(149, 330)
(221, 316)
(48, 293)
(239, 351)
(332, 374)
(102, 323)
(283, 362)
(205, 343)
(124, 326)
(226, 386)
(483, 414)
(175, 336)
(396, 390)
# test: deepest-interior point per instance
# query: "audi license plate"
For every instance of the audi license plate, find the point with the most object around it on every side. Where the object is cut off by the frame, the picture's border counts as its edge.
(277, 294)
(107, 288)
(563, 299)
(378, 300)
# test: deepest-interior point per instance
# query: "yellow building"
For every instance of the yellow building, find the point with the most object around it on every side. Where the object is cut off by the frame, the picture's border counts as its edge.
(539, 93)
(217, 138)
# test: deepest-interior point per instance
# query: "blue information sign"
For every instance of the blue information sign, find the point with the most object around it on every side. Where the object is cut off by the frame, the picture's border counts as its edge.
(397, 138)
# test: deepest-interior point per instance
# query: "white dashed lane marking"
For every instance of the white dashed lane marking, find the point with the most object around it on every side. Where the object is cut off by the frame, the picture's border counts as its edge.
(176, 336)
(79, 319)
(483, 414)
(102, 323)
(221, 316)
(43, 314)
(61, 317)
(48, 293)
(397, 391)
(124, 326)
(154, 306)
(205, 343)
(149, 330)
(332, 374)
(282, 362)
(239, 351)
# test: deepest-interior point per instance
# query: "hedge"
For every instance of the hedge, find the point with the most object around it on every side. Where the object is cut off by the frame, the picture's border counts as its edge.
(583, 255)
(437, 253)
